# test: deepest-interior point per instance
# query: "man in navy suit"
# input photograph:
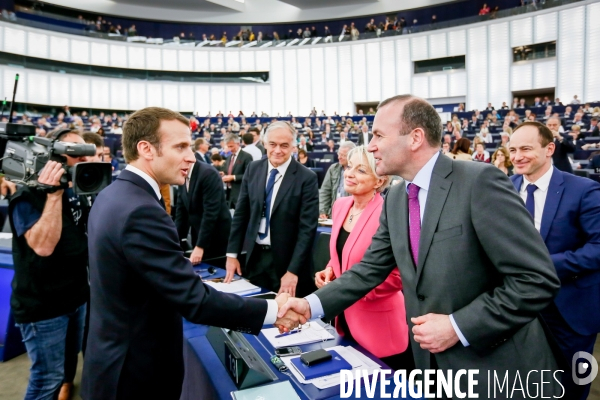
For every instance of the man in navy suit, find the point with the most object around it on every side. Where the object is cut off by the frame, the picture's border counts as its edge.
(141, 283)
(566, 212)
(276, 217)
(201, 147)
(235, 167)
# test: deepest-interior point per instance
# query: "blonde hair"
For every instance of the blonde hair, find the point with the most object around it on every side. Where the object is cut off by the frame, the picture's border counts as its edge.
(362, 150)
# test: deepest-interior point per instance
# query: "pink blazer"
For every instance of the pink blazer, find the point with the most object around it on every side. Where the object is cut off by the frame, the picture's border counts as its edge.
(377, 321)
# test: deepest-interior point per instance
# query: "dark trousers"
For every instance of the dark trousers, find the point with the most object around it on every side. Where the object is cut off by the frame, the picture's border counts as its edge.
(569, 342)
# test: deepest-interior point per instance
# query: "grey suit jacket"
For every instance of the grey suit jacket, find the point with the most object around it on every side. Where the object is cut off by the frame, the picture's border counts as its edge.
(328, 191)
(480, 259)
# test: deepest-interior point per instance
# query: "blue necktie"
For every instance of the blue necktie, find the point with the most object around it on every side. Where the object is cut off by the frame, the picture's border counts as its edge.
(530, 203)
(267, 205)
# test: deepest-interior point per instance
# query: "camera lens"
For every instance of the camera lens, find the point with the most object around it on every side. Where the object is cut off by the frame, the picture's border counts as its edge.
(89, 177)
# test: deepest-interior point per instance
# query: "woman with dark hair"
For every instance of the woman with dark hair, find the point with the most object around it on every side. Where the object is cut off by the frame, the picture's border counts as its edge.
(100, 132)
(501, 159)
(303, 159)
(461, 150)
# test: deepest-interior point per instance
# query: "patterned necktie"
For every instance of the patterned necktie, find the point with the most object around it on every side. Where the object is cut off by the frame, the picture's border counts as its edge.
(267, 205)
(530, 203)
(414, 216)
(230, 169)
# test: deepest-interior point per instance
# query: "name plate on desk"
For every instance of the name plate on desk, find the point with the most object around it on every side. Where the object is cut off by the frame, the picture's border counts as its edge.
(243, 363)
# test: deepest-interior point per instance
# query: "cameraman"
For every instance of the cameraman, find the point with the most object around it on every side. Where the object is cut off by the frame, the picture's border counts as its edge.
(50, 285)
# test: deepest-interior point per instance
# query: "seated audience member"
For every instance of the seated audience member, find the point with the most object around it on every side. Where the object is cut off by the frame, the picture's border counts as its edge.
(575, 100)
(568, 113)
(504, 106)
(445, 148)
(332, 187)
(303, 144)
(485, 135)
(505, 137)
(501, 159)
(594, 129)
(578, 120)
(331, 146)
(594, 163)
(577, 137)
(218, 162)
(304, 160)
(522, 104)
(481, 154)
(355, 221)
(95, 139)
(461, 150)
(596, 112)
(485, 9)
(449, 128)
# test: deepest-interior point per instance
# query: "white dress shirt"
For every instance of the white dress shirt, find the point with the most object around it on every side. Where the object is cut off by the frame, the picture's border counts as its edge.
(253, 151)
(146, 177)
(539, 196)
(282, 170)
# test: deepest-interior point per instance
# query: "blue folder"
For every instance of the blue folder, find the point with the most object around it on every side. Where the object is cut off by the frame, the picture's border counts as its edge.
(330, 367)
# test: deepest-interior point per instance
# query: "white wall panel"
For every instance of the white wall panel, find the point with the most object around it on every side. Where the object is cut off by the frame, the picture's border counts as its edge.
(304, 82)
(201, 61)
(477, 68)
(263, 60)
(388, 73)
(545, 27)
(137, 57)
(331, 81)
(420, 85)
(500, 58)
(290, 72)
(217, 61)
(217, 99)
(521, 77)
(278, 87)
(346, 102)
(438, 85)
(317, 76)
(154, 59)
(457, 43)
(232, 61)
(457, 83)
(14, 40)
(100, 96)
(80, 91)
(119, 94)
(99, 53)
(154, 94)
(37, 90)
(570, 54)
(403, 67)
(521, 32)
(59, 48)
(37, 45)
(249, 100)
(247, 62)
(137, 95)
(118, 56)
(202, 103)
(232, 99)
(592, 54)
(186, 97)
(438, 46)
(59, 89)
(80, 51)
(171, 96)
(263, 99)
(373, 72)
(359, 74)
(186, 60)
(169, 57)
(9, 82)
(419, 48)
(544, 74)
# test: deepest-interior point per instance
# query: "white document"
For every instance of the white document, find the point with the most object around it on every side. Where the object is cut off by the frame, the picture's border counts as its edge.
(314, 334)
(5, 235)
(354, 357)
(240, 287)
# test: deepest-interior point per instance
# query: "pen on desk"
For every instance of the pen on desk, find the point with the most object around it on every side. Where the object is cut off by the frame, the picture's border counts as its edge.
(286, 334)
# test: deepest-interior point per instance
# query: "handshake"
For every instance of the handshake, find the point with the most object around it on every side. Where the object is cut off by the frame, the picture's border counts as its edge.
(291, 312)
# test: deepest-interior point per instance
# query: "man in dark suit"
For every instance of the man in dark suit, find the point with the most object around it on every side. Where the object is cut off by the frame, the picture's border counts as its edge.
(141, 283)
(594, 128)
(201, 205)
(473, 289)
(235, 167)
(562, 146)
(201, 147)
(364, 137)
(257, 142)
(566, 211)
(275, 219)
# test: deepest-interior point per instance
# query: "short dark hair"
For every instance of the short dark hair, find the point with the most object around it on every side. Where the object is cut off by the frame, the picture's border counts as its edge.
(418, 113)
(143, 125)
(93, 138)
(199, 142)
(462, 144)
(255, 130)
(248, 138)
(546, 136)
(216, 157)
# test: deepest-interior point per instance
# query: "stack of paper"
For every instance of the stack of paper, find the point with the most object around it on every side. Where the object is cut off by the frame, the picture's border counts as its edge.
(240, 287)
(276, 391)
(313, 334)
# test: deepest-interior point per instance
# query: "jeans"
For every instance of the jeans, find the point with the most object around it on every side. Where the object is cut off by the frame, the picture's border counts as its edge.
(52, 346)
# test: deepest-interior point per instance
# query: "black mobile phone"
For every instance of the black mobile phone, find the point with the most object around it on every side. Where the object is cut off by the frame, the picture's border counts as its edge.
(315, 357)
(288, 351)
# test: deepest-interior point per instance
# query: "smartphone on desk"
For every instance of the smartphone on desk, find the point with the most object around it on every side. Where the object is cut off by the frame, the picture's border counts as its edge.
(288, 351)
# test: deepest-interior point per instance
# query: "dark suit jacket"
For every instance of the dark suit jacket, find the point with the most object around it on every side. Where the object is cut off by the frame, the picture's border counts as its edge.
(571, 230)
(472, 264)
(293, 222)
(361, 139)
(205, 159)
(241, 163)
(261, 147)
(594, 162)
(141, 286)
(204, 209)
(561, 154)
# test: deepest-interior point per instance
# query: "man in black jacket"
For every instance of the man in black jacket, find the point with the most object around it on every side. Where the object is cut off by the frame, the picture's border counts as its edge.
(560, 158)
(235, 167)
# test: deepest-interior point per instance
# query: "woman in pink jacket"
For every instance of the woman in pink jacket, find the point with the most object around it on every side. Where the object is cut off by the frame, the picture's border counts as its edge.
(378, 321)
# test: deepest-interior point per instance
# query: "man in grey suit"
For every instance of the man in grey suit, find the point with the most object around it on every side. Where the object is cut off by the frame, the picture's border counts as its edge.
(473, 289)
(333, 183)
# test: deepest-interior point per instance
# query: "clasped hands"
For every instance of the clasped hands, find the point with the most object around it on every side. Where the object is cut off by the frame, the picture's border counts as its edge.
(292, 312)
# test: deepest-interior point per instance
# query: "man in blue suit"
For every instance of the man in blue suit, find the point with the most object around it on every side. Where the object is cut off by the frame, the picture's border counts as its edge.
(141, 283)
(566, 211)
